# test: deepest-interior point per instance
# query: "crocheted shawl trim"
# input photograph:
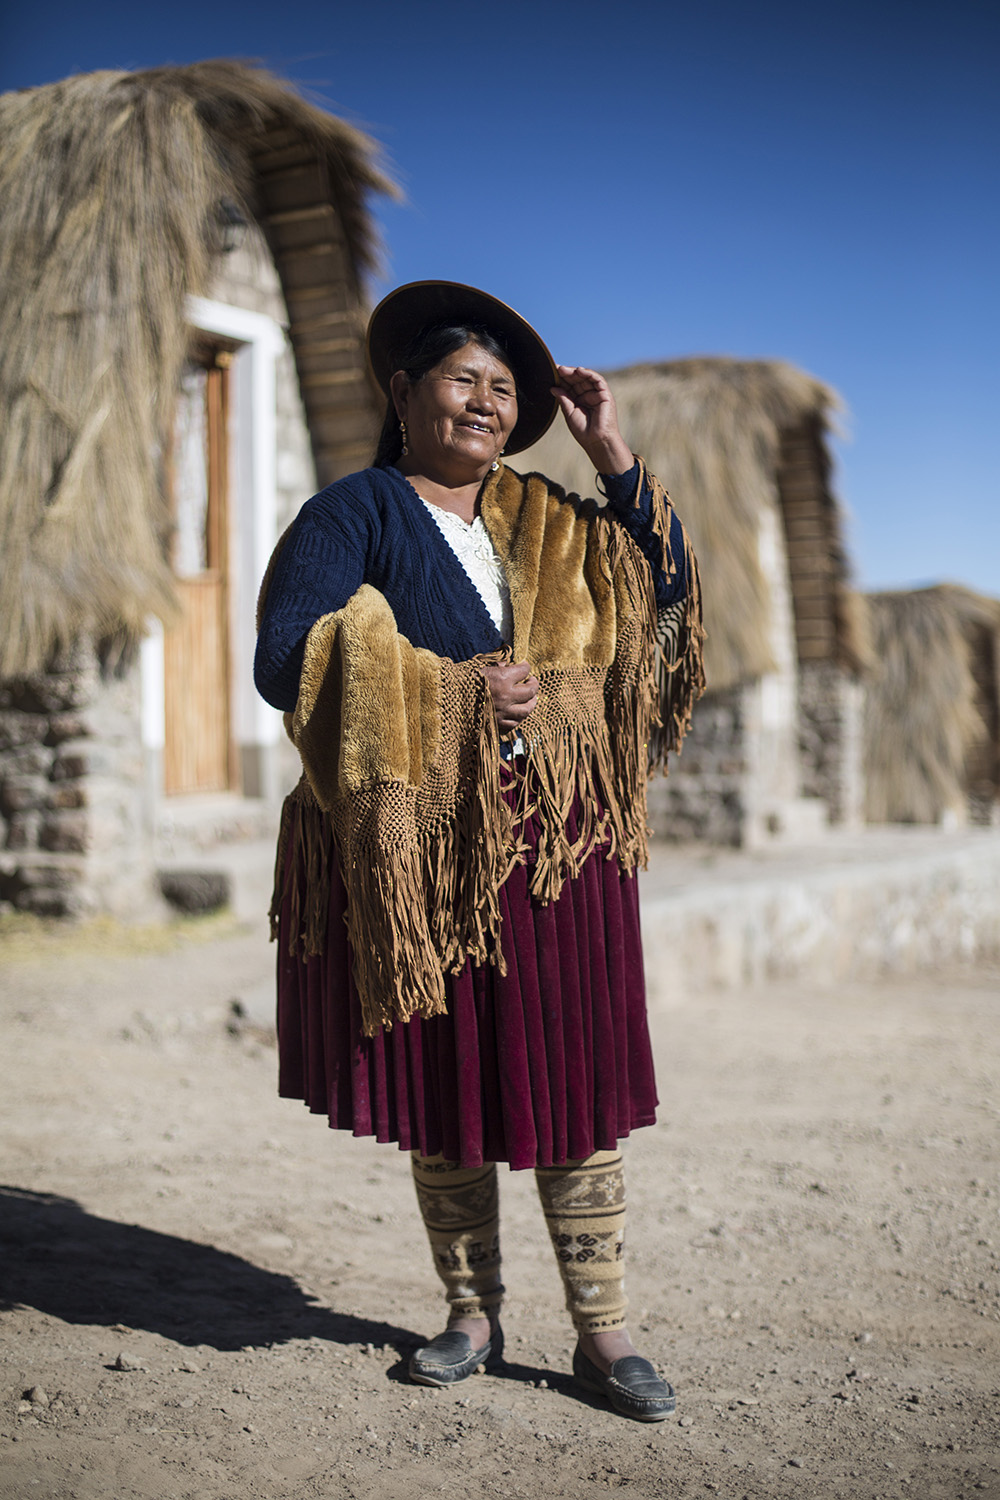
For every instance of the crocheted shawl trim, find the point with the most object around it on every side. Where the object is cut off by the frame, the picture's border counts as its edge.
(401, 752)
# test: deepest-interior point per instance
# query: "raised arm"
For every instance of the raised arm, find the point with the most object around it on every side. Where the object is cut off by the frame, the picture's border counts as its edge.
(591, 415)
(589, 410)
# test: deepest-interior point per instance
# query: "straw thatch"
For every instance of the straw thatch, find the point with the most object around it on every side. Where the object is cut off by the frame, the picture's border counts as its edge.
(930, 728)
(716, 432)
(111, 185)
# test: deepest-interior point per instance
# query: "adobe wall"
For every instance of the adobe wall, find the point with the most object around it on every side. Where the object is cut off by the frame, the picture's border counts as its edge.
(247, 278)
(857, 905)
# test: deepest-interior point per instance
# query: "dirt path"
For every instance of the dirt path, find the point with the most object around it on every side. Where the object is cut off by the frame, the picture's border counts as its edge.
(211, 1296)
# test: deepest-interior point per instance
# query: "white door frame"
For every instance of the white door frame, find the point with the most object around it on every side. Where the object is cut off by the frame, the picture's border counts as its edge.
(253, 515)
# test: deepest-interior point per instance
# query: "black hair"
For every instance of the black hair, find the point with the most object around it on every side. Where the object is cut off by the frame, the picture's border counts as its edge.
(425, 350)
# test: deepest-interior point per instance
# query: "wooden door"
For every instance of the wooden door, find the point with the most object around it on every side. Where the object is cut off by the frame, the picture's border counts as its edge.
(198, 749)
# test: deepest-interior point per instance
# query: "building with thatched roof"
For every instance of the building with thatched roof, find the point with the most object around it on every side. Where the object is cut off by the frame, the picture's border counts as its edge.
(932, 707)
(169, 401)
(742, 446)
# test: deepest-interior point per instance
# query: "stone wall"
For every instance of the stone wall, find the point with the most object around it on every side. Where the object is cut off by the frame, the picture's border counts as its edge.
(830, 707)
(739, 784)
(704, 798)
(73, 835)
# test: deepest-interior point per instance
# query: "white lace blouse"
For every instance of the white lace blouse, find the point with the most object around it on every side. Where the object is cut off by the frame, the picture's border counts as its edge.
(473, 546)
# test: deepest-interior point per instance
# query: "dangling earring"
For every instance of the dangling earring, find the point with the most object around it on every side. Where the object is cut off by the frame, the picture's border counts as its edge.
(496, 462)
(402, 429)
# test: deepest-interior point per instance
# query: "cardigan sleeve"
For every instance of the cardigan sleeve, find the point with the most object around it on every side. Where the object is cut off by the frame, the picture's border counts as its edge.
(318, 566)
(636, 514)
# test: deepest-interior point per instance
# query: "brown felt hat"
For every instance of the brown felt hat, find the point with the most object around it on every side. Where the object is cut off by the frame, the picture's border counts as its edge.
(402, 315)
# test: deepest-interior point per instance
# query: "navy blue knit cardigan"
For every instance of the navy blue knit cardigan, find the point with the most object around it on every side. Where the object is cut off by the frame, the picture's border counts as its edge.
(372, 527)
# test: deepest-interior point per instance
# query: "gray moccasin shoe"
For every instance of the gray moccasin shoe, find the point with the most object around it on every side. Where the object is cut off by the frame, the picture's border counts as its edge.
(450, 1357)
(633, 1387)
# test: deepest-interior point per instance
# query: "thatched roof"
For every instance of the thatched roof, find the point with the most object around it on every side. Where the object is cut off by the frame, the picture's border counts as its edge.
(729, 438)
(111, 185)
(931, 731)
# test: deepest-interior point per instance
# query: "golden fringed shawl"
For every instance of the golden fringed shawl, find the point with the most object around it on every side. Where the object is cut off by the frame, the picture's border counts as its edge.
(401, 751)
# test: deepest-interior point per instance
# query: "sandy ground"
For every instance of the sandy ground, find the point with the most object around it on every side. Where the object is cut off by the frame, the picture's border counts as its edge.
(207, 1294)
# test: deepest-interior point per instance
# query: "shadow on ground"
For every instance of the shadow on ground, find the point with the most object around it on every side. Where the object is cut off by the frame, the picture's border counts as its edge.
(59, 1259)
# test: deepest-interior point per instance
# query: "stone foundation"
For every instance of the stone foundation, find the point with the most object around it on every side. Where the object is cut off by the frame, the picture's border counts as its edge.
(830, 708)
(737, 783)
(703, 800)
(73, 835)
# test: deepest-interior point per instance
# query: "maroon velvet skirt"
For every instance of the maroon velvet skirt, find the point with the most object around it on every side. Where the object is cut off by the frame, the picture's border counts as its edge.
(548, 1063)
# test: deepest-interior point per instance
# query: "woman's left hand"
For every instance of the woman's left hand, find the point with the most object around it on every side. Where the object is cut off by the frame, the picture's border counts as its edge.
(592, 417)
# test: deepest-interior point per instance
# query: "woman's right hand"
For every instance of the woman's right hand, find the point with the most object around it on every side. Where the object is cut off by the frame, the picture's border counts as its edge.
(514, 691)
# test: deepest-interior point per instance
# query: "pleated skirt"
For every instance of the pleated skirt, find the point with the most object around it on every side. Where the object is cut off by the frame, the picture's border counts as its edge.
(545, 1064)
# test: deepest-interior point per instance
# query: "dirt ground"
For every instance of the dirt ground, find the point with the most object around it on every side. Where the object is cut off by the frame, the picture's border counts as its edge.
(207, 1294)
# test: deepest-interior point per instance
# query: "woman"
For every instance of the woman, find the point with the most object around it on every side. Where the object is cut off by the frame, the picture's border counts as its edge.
(469, 666)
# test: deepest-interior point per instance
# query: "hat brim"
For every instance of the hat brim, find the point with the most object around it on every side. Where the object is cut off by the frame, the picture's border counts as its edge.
(401, 315)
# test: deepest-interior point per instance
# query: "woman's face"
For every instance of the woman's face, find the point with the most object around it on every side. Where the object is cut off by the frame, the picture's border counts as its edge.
(460, 415)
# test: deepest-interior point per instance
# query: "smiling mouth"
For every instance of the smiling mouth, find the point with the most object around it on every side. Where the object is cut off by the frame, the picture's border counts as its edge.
(477, 427)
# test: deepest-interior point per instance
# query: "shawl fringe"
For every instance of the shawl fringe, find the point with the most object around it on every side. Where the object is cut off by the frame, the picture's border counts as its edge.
(679, 679)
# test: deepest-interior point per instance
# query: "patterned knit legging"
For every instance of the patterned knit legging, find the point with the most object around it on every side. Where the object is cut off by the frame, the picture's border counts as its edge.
(584, 1207)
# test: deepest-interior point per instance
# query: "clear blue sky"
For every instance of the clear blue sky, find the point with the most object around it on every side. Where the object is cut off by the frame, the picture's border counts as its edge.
(816, 183)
